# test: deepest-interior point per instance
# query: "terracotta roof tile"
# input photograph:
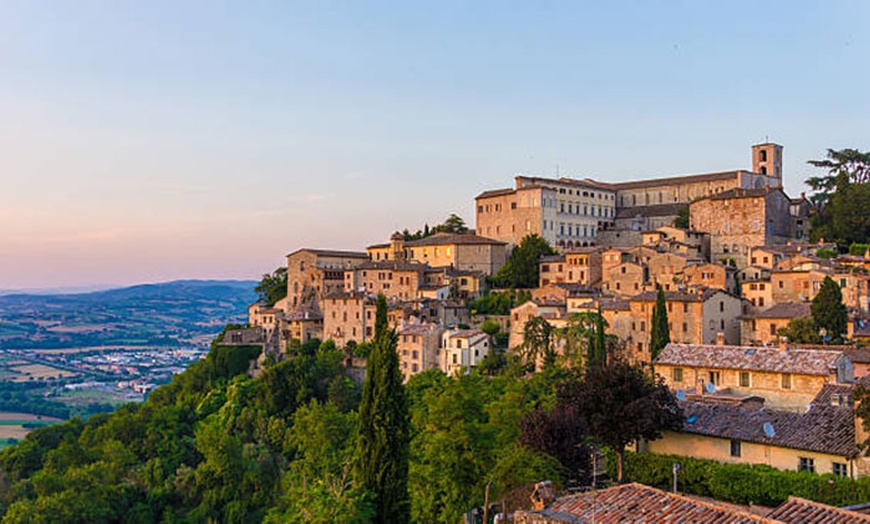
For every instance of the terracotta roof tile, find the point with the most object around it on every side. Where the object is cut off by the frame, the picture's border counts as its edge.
(794, 360)
(822, 429)
(331, 253)
(439, 239)
(652, 182)
(807, 512)
(784, 310)
(638, 503)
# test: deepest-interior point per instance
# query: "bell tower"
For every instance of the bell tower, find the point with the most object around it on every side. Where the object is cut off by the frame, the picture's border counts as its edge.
(767, 159)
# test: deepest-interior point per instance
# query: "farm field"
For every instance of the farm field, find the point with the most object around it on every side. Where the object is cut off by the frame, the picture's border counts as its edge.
(16, 426)
(38, 372)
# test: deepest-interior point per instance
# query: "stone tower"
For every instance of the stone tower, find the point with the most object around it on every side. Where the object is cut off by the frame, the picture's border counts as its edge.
(397, 246)
(767, 159)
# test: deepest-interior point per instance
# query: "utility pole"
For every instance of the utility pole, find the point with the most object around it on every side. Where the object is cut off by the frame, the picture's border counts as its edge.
(486, 504)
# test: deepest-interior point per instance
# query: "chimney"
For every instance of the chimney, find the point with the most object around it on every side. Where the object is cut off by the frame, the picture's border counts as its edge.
(720, 339)
(783, 344)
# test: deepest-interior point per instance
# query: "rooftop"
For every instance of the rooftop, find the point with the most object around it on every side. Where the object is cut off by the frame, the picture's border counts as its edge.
(679, 296)
(773, 360)
(785, 310)
(657, 210)
(681, 179)
(331, 253)
(635, 503)
(796, 509)
(452, 238)
(823, 429)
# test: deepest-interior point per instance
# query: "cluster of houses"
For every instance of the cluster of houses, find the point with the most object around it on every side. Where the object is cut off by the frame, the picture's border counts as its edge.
(736, 272)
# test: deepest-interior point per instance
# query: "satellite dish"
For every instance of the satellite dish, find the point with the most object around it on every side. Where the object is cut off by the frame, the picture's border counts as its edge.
(681, 395)
(710, 387)
(768, 430)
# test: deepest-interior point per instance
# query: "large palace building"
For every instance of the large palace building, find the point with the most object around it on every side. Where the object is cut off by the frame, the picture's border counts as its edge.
(569, 212)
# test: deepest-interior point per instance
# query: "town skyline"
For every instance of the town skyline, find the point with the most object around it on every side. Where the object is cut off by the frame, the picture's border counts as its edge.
(145, 143)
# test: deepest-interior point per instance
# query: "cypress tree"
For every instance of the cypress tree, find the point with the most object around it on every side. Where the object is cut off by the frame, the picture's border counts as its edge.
(828, 310)
(600, 341)
(660, 335)
(384, 427)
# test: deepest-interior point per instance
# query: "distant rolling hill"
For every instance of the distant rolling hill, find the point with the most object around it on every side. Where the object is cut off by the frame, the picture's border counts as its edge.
(166, 314)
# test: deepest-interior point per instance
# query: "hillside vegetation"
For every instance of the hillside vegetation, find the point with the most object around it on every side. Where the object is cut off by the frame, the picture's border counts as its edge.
(216, 445)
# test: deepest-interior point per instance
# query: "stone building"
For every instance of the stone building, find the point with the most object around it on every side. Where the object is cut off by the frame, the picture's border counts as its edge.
(626, 279)
(786, 377)
(313, 273)
(697, 317)
(393, 279)
(565, 212)
(463, 348)
(576, 266)
(418, 347)
(739, 219)
(760, 326)
(709, 275)
(569, 212)
(467, 252)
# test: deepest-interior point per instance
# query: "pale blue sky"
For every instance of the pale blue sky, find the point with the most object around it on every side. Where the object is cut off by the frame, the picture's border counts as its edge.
(153, 140)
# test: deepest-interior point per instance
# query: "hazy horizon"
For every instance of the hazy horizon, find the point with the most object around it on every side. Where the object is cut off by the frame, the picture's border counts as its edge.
(157, 141)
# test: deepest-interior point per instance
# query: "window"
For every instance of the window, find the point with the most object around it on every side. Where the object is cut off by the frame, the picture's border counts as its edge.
(685, 327)
(744, 382)
(715, 378)
(839, 469)
(735, 448)
(773, 330)
(786, 381)
(678, 374)
(806, 464)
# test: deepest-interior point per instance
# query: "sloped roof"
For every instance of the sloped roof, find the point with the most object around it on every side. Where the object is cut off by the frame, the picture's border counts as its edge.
(823, 429)
(331, 253)
(682, 179)
(785, 310)
(679, 296)
(495, 193)
(657, 210)
(637, 503)
(796, 509)
(392, 265)
(742, 192)
(452, 238)
(773, 360)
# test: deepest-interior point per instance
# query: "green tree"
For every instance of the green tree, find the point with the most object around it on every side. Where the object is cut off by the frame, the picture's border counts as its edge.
(453, 224)
(272, 288)
(682, 219)
(521, 269)
(317, 486)
(660, 333)
(384, 432)
(829, 312)
(621, 404)
(841, 197)
(801, 330)
(538, 342)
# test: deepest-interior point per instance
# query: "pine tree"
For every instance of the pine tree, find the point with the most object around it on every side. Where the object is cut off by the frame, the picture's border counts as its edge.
(384, 427)
(660, 335)
(828, 310)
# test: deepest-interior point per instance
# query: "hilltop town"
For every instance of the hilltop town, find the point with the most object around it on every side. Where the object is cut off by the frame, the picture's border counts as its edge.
(729, 250)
